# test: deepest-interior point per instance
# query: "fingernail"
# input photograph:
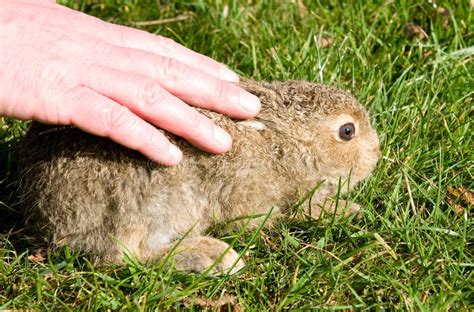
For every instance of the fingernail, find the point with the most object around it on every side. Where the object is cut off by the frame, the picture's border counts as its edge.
(222, 137)
(249, 102)
(227, 74)
(174, 154)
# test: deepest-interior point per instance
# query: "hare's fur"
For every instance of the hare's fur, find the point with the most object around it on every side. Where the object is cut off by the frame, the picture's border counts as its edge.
(94, 195)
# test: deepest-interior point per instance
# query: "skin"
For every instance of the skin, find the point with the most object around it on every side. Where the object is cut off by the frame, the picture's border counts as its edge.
(59, 66)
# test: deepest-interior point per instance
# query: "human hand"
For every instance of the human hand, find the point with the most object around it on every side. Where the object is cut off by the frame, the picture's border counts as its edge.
(59, 66)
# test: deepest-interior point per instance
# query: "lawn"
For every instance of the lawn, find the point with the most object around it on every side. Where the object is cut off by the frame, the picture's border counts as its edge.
(411, 63)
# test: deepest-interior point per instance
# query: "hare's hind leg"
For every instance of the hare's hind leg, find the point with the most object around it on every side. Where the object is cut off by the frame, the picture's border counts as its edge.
(192, 254)
(202, 253)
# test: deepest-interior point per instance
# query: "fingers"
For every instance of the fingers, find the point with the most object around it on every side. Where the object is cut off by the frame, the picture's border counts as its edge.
(185, 82)
(148, 100)
(192, 84)
(141, 40)
(82, 24)
(205, 91)
(137, 39)
(101, 116)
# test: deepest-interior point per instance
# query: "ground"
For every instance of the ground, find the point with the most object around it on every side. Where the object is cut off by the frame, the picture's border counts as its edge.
(409, 62)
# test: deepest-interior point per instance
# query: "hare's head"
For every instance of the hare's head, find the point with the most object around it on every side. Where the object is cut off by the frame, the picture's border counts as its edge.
(330, 123)
(338, 129)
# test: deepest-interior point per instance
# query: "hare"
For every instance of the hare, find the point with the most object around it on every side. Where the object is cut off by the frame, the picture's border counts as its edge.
(94, 195)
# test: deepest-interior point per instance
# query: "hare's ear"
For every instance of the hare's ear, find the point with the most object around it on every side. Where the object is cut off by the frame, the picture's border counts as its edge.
(260, 89)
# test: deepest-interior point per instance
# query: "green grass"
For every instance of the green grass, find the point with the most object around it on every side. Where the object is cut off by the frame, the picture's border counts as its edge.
(413, 247)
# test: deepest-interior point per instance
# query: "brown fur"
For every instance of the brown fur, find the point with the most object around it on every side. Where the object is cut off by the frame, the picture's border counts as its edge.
(95, 195)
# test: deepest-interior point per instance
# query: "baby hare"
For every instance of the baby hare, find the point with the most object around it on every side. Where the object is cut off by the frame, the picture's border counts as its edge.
(96, 196)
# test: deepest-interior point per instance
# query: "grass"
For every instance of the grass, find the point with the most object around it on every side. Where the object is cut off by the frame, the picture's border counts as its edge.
(413, 247)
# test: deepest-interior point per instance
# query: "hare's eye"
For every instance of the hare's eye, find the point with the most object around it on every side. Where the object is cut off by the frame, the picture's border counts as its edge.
(347, 131)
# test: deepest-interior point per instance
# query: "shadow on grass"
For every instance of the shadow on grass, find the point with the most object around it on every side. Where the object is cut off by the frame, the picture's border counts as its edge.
(11, 219)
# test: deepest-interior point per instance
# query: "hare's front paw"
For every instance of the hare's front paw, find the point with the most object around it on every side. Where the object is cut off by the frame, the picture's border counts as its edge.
(339, 207)
(199, 254)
